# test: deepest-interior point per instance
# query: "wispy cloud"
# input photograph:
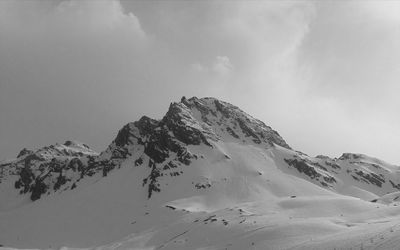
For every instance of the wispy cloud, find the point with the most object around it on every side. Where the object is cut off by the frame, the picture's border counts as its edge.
(310, 69)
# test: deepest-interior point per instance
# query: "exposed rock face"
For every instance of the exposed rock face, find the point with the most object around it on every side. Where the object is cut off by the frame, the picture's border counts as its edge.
(219, 119)
(313, 170)
(185, 127)
(24, 152)
(368, 173)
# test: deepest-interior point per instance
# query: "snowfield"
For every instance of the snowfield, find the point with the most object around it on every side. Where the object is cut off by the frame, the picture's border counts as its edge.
(225, 181)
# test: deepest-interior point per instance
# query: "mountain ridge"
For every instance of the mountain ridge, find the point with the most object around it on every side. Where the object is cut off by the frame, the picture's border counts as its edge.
(191, 121)
(204, 168)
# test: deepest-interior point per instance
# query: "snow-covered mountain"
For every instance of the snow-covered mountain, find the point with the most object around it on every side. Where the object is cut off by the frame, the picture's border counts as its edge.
(205, 176)
(46, 170)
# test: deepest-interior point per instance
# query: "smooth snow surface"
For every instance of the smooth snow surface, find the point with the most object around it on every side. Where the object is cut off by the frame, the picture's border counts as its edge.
(234, 184)
(251, 204)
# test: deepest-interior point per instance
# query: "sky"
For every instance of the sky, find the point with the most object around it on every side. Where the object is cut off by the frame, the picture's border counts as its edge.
(324, 74)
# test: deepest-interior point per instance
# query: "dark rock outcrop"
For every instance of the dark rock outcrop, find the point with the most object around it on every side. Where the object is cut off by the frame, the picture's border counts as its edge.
(24, 152)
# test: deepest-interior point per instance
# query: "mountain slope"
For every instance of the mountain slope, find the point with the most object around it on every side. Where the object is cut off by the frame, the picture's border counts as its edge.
(202, 177)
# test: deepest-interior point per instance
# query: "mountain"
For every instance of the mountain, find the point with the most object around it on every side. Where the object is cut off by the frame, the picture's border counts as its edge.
(205, 176)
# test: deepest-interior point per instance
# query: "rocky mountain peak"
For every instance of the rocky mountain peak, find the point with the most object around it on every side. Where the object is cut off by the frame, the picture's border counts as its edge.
(219, 120)
(164, 146)
(76, 144)
(181, 121)
(351, 156)
(194, 121)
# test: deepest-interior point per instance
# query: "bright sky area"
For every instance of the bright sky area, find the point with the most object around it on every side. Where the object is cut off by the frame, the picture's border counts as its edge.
(324, 74)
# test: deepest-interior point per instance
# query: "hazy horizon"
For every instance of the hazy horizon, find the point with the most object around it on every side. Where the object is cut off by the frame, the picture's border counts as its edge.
(323, 74)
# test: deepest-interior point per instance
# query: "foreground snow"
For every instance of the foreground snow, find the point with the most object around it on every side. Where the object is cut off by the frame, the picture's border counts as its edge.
(206, 176)
(251, 204)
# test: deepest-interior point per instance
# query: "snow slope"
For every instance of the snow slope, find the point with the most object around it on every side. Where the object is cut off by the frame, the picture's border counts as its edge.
(206, 176)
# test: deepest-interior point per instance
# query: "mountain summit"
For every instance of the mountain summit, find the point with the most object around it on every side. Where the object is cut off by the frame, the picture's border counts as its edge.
(163, 143)
(193, 122)
(205, 169)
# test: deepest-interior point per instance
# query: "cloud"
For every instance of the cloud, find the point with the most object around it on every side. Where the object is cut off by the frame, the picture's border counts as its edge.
(61, 61)
(221, 66)
(68, 35)
(387, 11)
(309, 69)
(356, 62)
(69, 20)
(348, 64)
